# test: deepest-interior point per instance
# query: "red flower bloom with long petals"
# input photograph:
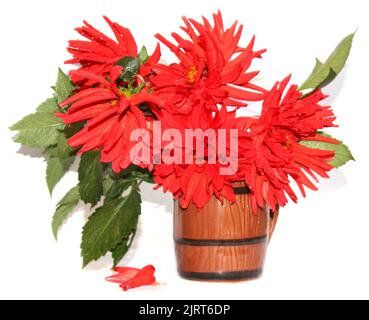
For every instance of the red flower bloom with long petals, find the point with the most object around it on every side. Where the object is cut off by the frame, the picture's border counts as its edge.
(284, 122)
(199, 181)
(99, 53)
(212, 68)
(129, 278)
(111, 114)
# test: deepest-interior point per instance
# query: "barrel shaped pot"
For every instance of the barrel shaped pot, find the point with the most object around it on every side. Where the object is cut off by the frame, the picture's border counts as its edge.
(222, 242)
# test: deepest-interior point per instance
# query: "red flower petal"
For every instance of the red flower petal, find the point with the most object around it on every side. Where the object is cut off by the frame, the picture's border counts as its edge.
(99, 53)
(129, 278)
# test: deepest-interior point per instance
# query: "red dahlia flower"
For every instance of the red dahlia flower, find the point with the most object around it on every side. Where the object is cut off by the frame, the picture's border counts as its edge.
(111, 114)
(199, 181)
(99, 53)
(212, 68)
(284, 122)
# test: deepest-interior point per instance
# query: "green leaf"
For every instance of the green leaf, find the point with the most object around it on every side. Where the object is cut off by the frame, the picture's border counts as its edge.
(64, 150)
(39, 120)
(119, 252)
(54, 172)
(38, 130)
(56, 169)
(63, 87)
(64, 209)
(61, 149)
(49, 105)
(324, 73)
(41, 129)
(130, 67)
(112, 222)
(121, 249)
(118, 187)
(132, 172)
(38, 138)
(61, 157)
(90, 177)
(144, 176)
(143, 56)
(51, 151)
(318, 65)
(342, 152)
(107, 184)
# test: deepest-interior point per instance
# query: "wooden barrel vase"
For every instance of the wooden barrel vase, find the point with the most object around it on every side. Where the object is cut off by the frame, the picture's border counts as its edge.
(222, 242)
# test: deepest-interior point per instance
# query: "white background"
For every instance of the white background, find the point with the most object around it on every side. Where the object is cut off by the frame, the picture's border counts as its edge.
(320, 248)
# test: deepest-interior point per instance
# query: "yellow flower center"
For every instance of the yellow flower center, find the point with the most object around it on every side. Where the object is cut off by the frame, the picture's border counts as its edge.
(191, 75)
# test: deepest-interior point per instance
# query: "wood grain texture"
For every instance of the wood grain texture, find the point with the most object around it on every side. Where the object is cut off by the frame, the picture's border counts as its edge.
(220, 259)
(214, 221)
(222, 238)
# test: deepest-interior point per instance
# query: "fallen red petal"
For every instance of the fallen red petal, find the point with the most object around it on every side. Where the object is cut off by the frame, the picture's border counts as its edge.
(129, 278)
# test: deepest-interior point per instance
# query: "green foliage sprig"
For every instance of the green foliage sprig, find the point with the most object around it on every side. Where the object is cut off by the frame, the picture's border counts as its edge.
(111, 227)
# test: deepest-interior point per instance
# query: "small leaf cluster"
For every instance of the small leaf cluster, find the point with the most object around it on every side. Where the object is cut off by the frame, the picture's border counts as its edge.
(322, 75)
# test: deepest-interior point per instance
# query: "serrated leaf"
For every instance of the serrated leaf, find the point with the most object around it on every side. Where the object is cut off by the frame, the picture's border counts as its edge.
(64, 150)
(61, 157)
(38, 138)
(118, 187)
(38, 130)
(51, 151)
(49, 105)
(39, 120)
(63, 87)
(56, 169)
(342, 152)
(119, 252)
(324, 73)
(90, 177)
(143, 56)
(121, 249)
(54, 172)
(111, 223)
(64, 208)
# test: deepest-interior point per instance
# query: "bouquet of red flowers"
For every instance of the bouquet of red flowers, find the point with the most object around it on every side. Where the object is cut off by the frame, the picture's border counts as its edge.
(134, 119)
